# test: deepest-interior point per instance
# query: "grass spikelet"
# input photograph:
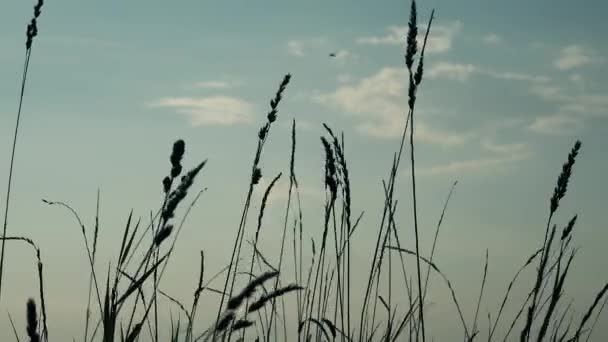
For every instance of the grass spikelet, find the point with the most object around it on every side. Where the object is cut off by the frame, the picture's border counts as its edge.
(179, 147)
(241, 324)
(32, 27)
(180, 193)
(568, 229)
(331, 181)
(225, 321)
(248, 290)
(275, 294)
(272, 115)
(412, 33)
(32, 321)
(564, 177)
(163, 234)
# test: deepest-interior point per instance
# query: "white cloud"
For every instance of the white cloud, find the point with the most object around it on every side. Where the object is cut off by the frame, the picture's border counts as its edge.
(501, 156)
(587, 104)
(395, 36)
(572, 56)
(474, 165)
(513, 148)
(462, 72)
(391, 128)
(379, 105)
(377, 93)
(215, 110)
(515, 76)
(298, 47)
(216, 84)
(555, 124)
(295, 48)
(548, 92)
(491, 39)
(454, 71)
(440, 38)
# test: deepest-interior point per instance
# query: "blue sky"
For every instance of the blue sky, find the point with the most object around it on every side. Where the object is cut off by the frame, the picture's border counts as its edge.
(508, 88)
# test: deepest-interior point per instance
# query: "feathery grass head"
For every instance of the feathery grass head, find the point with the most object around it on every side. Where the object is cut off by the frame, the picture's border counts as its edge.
(248, 291)
(32, 321)
(166, 184)
(412, 33)
(163, 234)
(256, 176)
(275, 294)
(263, 131)
(568, 229)
(225, 321)
(331, 181)
(420, 67)
(180, 193)
(179, 147)
(241, 324)
(272, 115)
(564, 177)
(32, 27)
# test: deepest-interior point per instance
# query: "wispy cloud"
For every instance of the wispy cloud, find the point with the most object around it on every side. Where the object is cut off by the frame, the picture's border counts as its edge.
(555, 124)
(572, 56)
(295, 48)
(485, 164)
(299, 47)
(391, 127)
(440, 38)
(453, 71)
(501, 156)
(217, 84)
(463, 72)
(214, 110)
(510, 149)
(394, 36)
(548, 92)
(492, 39)
(378, 105)
(516, 76)
(588, 104)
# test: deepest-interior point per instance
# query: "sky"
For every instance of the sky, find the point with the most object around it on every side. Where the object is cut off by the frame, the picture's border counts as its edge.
(508, 87)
